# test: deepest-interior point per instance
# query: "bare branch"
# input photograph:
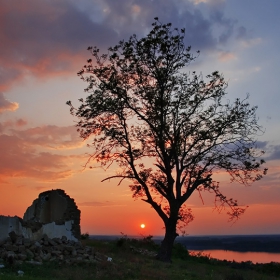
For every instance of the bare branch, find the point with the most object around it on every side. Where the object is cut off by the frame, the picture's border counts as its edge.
(168, 130)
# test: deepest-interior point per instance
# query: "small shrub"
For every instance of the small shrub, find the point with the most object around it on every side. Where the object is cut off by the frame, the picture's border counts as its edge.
(179, 251)
(201, 257)
(85, 236)
(121, 242)
(148, 239)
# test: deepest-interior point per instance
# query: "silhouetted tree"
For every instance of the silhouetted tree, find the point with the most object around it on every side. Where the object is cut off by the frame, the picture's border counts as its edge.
(168, 130)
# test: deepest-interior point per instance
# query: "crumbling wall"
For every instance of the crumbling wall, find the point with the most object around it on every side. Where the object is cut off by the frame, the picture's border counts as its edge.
(53, 213)
(55, 206)
(49, 207)
(9, 224)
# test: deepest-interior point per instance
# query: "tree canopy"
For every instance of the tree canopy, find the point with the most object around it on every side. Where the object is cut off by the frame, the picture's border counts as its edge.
(168, 129)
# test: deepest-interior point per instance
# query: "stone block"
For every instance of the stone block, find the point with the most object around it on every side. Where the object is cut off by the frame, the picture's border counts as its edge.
(10, 247)
(29, 254)
(22, 257)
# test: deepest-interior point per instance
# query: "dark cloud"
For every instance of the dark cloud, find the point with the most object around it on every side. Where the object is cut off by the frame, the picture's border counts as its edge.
(241, 33)
(261, 144)
(48, 38)
(246, 38)
(49, 26)
(228, 25)
(274, 153)
(45, 38)
(137, 16)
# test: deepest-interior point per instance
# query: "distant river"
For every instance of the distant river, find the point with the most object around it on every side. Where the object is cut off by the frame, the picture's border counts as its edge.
(255, 257)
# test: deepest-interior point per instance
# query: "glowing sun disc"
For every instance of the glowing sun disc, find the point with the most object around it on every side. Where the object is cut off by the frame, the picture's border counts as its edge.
(142, 225)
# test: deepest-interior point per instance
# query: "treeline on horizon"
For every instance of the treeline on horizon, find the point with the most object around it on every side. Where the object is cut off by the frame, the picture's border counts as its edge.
(238, 243)
(261, 243)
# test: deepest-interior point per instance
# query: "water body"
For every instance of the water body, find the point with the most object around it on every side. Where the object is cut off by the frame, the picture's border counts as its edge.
(240, 248)
(239, 243)
(254, 257)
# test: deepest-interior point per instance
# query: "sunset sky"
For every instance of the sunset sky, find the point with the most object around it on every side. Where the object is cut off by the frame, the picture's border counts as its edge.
(43, 44)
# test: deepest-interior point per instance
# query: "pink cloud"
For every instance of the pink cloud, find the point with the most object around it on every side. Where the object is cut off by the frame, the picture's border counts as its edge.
(19, 159)
(51, 136)
(6, 105)
(26, 153)
(21, 122)
(8, 124)
(227, 56)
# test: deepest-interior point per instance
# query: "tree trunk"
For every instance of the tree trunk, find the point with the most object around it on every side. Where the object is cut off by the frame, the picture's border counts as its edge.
(165, 251)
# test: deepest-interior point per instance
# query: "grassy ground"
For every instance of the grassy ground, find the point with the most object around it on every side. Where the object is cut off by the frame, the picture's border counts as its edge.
(134, 259)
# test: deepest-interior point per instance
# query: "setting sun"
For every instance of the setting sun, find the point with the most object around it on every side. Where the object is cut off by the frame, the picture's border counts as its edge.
(142, 225)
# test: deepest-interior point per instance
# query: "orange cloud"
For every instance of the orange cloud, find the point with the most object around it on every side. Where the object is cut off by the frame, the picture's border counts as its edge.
(99, 204)
(226, 56)
(26, 153)
(6, 125)
(51, 136)
(6, 105)
(136, 9)
(19, 159)
(21, 122)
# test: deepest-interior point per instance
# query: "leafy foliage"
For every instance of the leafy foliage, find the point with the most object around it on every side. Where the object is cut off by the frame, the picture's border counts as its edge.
(167, 129)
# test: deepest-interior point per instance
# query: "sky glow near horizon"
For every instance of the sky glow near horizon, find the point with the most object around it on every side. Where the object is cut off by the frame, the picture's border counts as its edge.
(43, 46)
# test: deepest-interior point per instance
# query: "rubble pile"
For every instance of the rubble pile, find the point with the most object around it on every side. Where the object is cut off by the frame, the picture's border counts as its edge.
(16, 249)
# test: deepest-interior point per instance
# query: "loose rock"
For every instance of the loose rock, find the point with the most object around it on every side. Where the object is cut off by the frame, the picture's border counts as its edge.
(46, 249)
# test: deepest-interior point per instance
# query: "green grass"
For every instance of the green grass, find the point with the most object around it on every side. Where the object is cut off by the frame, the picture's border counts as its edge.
(130, 264)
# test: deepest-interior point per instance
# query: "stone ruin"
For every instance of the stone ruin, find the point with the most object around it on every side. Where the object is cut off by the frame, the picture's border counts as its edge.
(53, 213)
(48, 231)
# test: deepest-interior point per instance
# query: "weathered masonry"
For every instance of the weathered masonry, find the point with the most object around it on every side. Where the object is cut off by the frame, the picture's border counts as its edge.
(53, 213)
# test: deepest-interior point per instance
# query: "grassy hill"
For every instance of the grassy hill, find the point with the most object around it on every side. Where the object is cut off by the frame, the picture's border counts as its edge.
(131, 259)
